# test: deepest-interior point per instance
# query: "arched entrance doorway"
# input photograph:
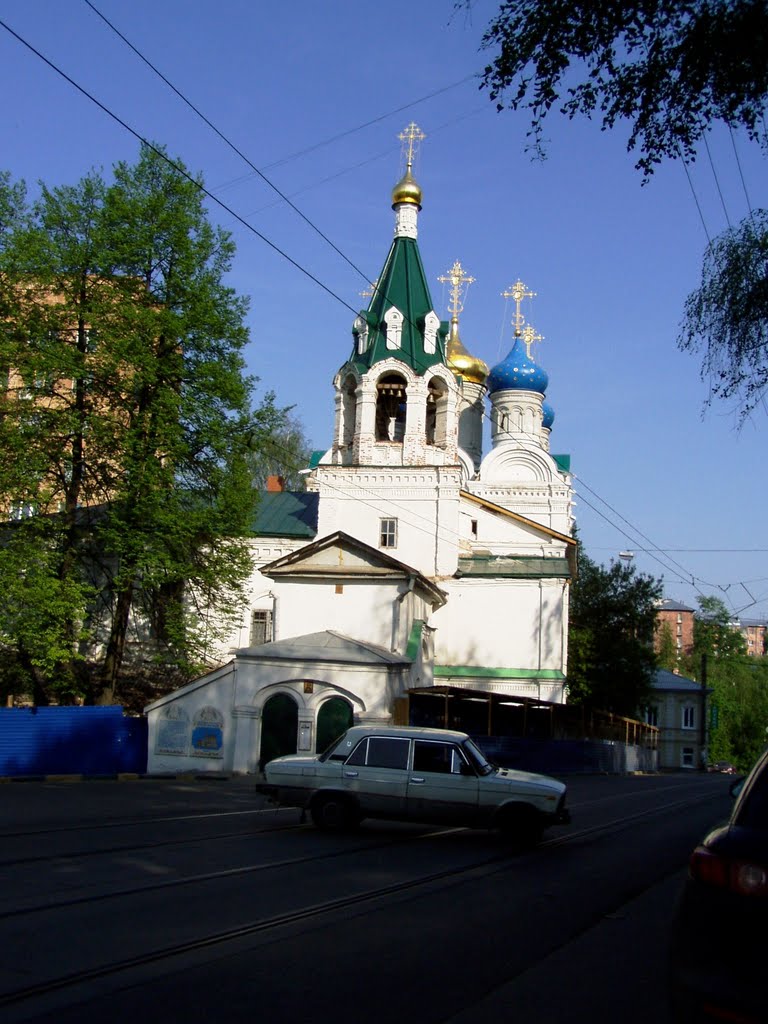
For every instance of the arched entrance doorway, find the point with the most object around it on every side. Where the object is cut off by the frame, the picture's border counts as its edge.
(333, 718)
(279, 725)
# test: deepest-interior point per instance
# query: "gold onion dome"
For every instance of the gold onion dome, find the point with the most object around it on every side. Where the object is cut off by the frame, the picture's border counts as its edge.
(460, 362)
(407, 190)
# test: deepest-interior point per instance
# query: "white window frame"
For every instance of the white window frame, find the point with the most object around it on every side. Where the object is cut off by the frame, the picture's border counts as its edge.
(689, 716)
(263, 617)
(388, 533)
(393, 320)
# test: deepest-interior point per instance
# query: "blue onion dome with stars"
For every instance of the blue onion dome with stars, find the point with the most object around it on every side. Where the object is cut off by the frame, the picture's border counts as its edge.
(517, 372)
(549, 415)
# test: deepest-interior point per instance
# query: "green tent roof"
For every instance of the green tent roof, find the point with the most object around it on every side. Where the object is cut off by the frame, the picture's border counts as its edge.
(403, 284)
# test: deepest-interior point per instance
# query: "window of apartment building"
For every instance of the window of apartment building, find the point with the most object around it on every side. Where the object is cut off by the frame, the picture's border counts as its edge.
(22, 509)
(686, 757)
(261, 627)
(689, 716)
(387, 533)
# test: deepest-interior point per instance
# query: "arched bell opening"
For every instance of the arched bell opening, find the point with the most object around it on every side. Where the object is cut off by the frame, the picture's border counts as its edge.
(437, 411)
(349, 411)
(391, 407)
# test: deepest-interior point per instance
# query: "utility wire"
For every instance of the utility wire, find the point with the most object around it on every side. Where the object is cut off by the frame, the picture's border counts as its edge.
(741, 172)
(717, 180)
(259, 234)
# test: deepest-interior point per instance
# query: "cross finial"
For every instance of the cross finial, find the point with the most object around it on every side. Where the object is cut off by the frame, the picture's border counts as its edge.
(518, 292)
(460, 283)
(366, 293)
(410, 137)
(529, 336)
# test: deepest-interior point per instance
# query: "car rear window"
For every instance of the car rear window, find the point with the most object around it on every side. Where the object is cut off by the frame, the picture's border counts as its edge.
(381, 752)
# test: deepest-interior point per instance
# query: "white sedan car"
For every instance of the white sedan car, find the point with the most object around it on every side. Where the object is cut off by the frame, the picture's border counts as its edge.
(407, 774)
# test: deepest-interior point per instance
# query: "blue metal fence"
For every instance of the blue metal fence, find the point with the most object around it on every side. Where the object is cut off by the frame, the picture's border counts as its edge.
(71, 741)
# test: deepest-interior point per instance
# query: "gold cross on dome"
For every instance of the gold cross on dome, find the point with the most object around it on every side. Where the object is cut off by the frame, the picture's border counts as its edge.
(460, 282)
(410, 137)
(529, 336)
(518, 292)
(366, 293)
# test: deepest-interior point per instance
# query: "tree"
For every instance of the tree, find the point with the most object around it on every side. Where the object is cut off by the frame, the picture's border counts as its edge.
(126, 424)
(611, 659)
(739, 724)
(739, 685)
(669, 68)
(666, 650)
(284, 452)
(727, 316)
(714, 635)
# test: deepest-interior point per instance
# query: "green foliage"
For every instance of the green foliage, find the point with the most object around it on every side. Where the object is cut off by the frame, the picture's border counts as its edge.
(611, 660)
(666, 649)
(38, 606)
(727, 316)
(128, 419)
(740, 694)
(739, 685)
(714, 635)
(668, 67)
(283, 451)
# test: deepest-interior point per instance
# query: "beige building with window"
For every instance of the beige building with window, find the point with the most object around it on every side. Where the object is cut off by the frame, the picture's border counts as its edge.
(679, 707)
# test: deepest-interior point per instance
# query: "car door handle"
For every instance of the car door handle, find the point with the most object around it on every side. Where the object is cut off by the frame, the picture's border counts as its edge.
(351, 775)
(418, 778)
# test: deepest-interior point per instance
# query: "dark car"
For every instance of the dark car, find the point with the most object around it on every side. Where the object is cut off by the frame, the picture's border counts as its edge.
(725, 767)
(718, 948)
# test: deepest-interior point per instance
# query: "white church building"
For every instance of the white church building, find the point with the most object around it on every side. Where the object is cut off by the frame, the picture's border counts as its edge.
(413, 562)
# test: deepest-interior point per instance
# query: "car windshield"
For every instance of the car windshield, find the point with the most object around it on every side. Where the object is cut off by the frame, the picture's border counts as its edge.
(477, 758)
(339, 750)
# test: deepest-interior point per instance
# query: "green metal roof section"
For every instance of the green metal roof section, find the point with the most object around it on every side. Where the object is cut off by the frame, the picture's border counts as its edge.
(563, 463)
(514, 567)
(402, 284)
(476, 672)
(286, 514)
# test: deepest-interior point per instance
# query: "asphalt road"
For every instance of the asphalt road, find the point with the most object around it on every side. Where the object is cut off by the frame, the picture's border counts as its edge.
(189, 900)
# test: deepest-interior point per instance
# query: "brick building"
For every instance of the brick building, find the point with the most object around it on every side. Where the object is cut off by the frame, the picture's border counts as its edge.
(679, 619)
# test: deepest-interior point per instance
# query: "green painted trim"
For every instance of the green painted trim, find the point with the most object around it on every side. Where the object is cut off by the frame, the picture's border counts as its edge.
(475, 671)
(412, 648)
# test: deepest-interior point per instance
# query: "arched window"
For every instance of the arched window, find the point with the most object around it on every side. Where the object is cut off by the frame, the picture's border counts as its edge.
(360, 332)
(391, 404)
(349, 411)
(431, 326)
(437, 411)
(393, 320)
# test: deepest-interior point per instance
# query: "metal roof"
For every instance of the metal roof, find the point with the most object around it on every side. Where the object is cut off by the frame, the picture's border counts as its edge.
(286, 514)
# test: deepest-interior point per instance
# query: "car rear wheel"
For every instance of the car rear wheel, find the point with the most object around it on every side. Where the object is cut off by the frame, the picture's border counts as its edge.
(333, 813)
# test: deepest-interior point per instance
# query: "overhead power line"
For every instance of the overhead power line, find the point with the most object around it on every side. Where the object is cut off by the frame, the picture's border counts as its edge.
(650, 550)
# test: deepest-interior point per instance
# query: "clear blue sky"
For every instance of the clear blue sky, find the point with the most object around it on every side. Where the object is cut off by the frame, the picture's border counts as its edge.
(611, 262)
